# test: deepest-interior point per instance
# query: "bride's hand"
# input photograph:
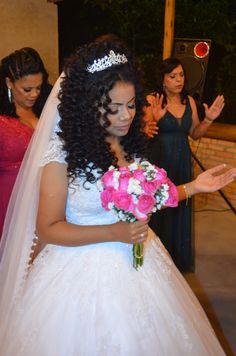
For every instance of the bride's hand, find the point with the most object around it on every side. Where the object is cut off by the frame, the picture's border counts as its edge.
(212, 180)
(131, 233)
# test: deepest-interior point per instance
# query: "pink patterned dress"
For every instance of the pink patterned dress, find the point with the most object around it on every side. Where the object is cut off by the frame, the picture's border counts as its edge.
(14, 140)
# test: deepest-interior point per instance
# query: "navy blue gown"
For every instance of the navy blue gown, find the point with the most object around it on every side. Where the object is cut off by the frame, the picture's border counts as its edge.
(170, 150)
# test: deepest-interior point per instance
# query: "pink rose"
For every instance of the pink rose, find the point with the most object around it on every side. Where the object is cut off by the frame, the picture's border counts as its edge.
(106, 197)
(173, 199)
(123, 200)
(139, 174)
(161, 174)
(151, 186)
(146, 203)
(124, 169)
(107, 179)
(124, 180)
(139, 215)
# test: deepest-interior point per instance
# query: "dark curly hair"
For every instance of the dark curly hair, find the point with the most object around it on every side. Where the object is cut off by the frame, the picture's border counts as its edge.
(166, 67)
(81, 97)
(15, 66)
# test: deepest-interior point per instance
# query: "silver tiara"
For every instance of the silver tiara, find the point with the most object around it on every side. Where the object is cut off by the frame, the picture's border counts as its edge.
(107, 61)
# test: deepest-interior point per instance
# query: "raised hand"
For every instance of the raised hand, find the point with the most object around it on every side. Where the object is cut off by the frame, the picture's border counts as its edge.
(212, 112)
(156, 106)
(212, 180)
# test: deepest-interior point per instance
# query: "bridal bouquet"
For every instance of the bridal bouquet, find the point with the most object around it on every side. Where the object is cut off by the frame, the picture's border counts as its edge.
(134, 193)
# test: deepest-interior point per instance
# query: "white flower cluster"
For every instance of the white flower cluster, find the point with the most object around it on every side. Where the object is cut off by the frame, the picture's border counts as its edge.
(134, 187)
(162, 196)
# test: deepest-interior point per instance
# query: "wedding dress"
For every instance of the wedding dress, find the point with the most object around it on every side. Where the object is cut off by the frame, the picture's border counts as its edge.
(90, 301)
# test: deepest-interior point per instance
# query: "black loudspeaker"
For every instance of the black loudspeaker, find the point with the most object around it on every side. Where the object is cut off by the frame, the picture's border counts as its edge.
(194, 55)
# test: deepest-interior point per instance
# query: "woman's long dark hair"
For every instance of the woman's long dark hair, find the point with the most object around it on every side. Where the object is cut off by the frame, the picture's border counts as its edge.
(166, 67)
(22, 62)
(81, 97)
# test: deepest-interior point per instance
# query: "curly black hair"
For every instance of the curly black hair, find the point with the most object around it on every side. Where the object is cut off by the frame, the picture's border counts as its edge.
(16, 65)
(81, 97)
(166, 67)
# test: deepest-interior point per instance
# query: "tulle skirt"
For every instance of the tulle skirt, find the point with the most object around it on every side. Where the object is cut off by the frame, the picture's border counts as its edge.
(90, 301)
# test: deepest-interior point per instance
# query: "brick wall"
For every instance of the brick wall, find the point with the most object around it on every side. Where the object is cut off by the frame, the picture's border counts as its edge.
(211, 152)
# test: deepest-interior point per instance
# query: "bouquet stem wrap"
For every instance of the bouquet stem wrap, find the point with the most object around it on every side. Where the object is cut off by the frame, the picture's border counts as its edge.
(138, 255)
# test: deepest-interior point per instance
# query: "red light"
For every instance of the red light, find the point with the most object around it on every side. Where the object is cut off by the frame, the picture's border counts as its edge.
(201, 49)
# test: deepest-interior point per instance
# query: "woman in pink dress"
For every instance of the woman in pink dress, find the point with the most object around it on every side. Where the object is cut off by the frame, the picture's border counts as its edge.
(24, 89)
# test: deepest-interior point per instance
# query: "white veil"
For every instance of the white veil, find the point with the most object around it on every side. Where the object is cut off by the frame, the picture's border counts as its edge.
(19, 227)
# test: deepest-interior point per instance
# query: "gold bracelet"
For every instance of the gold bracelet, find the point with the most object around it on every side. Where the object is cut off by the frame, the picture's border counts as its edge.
(186, 194)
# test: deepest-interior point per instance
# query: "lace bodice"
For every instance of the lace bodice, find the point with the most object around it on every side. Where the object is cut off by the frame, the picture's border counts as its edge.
(83, 202)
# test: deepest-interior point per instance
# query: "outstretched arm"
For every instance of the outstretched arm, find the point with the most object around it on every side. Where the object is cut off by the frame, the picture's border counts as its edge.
(209, 181)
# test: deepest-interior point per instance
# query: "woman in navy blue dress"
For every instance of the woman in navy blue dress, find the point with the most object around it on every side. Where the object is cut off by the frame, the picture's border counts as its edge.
(176, 116)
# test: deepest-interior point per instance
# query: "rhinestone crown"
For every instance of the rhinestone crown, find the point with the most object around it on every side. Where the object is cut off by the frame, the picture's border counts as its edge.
(107, 61)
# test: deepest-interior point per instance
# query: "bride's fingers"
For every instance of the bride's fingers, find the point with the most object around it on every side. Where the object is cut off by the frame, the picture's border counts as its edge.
(140, 232)
(140, 237)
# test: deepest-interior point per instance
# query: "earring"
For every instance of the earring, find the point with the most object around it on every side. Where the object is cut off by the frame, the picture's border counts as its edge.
(9, 94)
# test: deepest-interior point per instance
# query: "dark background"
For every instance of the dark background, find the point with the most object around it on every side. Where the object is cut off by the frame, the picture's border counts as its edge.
(141, 23)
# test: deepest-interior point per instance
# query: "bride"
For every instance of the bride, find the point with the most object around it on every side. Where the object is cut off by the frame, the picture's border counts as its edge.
(68, 287)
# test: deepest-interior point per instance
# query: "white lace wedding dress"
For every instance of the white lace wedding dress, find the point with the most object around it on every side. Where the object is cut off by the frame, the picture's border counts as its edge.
(90, 301)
